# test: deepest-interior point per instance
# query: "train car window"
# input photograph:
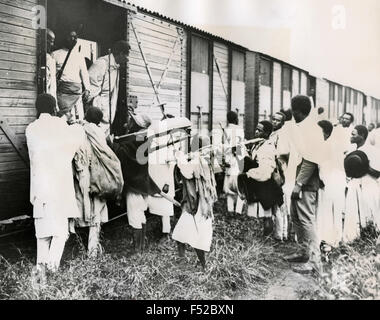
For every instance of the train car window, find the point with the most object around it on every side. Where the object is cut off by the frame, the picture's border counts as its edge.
(340, 94)
(237, 66)
(265, 73)
(199, 55)
(286, 78)
(332, 92)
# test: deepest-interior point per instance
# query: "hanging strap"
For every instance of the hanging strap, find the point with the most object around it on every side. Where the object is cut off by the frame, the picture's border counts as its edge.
(60, 72)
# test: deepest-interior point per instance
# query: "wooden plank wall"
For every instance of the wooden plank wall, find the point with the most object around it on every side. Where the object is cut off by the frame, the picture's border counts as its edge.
(18, 91)
(157, 40)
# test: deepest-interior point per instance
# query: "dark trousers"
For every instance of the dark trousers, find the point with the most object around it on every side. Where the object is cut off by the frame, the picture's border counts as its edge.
(303, 213)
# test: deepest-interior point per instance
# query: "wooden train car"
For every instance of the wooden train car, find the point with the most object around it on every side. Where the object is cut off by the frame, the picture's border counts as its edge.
(276, 82)
(337, 99)
(197, 74)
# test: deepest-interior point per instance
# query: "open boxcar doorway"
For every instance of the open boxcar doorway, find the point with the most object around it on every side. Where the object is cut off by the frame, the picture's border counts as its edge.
(98, 25)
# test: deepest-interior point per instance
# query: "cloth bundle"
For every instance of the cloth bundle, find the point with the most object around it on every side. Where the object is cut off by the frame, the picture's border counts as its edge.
(106, 177)
(97, 167)
(267, 193)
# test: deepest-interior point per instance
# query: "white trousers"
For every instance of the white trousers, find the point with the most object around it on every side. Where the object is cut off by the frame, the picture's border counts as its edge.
(93, 240)
(50, 250)
(281, 222)
(166, 227)
(234, 203)
(137, 204)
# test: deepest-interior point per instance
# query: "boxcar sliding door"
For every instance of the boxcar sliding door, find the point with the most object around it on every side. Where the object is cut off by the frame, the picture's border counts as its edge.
(157, 65)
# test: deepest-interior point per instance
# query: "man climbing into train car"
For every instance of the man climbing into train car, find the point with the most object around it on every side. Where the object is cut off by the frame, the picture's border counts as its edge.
(72, 74)
(98, 178)
(52, 144)
(104, 79)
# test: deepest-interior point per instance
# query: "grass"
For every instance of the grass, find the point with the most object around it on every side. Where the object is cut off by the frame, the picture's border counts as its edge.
(350, 272)
(239, 261)
(240, 265)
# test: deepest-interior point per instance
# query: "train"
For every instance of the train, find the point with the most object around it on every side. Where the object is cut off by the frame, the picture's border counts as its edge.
(190, 70)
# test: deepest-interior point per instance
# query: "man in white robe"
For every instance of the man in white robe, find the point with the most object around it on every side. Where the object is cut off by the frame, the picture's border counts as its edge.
(98, 178)
(52, 145)
(363, 194)
(104, 76)
(332, 194)
(307, 152)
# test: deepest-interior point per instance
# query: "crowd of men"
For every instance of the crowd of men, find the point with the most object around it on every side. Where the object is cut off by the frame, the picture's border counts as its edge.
(309, 180)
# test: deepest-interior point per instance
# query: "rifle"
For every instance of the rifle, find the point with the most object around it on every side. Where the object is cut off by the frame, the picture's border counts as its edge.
(109, 88)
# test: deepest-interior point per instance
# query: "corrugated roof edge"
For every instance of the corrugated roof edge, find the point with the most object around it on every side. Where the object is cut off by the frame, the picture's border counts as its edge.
(131, 6)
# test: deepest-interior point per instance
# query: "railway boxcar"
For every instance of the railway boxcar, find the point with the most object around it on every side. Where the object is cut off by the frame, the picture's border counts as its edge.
(273, 84)
(18, 90)
(373, 112)
(196, 74)
(337, 99)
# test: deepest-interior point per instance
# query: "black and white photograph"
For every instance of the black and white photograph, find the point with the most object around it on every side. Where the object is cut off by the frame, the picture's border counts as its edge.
(204, 151)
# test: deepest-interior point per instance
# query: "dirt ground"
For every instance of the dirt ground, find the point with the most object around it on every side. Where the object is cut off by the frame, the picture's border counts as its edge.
(286, 284)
